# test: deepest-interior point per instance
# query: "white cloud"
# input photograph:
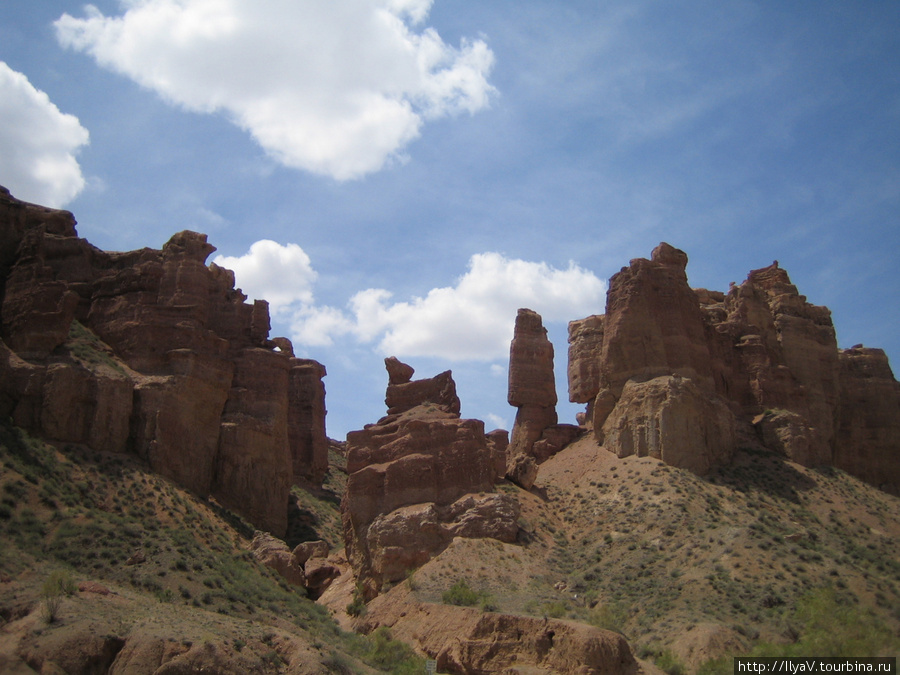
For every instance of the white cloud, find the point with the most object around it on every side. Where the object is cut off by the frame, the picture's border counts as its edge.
(335, 87)
(496, 420)
(475, 318)
(281, 274)
(472, 320)
(38, 144)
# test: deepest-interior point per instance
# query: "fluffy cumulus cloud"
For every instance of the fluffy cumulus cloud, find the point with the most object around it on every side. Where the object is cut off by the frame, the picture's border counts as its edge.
(335, 87)
(38, 144)
(281, 274)
(474, 319)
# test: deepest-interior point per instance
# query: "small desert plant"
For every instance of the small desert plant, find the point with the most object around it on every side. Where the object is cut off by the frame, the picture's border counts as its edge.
(56, 586)
(357, 605)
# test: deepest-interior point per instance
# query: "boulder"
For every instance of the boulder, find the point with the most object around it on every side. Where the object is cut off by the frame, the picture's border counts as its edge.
(273, 552)
(398, 372)
(319, 574)
(310, 549)
(522, 470)
(788, 434)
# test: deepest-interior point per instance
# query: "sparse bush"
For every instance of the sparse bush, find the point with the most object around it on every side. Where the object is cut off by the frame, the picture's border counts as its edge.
(556, 609)
(609, 616)
(62, 580)
(724, 665)
(357, 606)
(392, 655)
(55, 587)
(831, 625)
(670, 663)
(462, 595)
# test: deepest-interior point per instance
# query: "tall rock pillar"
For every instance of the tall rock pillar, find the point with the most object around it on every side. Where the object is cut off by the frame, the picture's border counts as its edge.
(536, 436)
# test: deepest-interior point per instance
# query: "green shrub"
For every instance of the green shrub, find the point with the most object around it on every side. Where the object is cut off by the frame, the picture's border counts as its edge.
(462, 595)
(392, 655)
(670, 663)
(831, 625)
(609, 616)
(724, 665)
(357, 606)
(556, 609)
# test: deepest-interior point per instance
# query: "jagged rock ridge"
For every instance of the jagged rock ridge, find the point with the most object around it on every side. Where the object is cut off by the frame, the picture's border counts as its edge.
(680, 374)
(186, 376)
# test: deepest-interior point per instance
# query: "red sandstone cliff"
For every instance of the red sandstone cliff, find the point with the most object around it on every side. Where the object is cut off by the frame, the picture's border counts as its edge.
(678, 373)
(179, 370)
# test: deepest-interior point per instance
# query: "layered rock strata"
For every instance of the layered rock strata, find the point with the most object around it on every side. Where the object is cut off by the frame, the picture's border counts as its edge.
(675, 373)
(154, 352)
(416, 479)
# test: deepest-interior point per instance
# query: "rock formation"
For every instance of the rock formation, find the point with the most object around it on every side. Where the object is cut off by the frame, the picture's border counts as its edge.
(536, 436)
(677, 373)
(467, 640)
(670, 418)
(154, 353)
(404, 393)
(868, 431)
(416, 480)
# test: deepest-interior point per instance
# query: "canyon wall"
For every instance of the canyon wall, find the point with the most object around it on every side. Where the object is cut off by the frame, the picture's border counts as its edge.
(154, 352)
(680, 373)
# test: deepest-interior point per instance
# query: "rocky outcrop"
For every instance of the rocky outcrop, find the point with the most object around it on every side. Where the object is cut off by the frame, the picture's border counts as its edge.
(154, 353)
(409, 477)
(273, 552)
(672, 419)
(404, 393)
(653, 324)
(674, 372)
(306, 420)
(780, 352)
(585, 345)
(536, 436)
(868, 433)
(467, 640)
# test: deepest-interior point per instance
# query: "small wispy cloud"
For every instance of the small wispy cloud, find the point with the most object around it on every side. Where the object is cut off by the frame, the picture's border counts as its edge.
(338, 88)
(38, 143)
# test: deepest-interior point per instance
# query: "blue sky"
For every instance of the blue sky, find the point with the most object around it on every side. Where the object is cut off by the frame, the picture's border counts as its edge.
(399, 176)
